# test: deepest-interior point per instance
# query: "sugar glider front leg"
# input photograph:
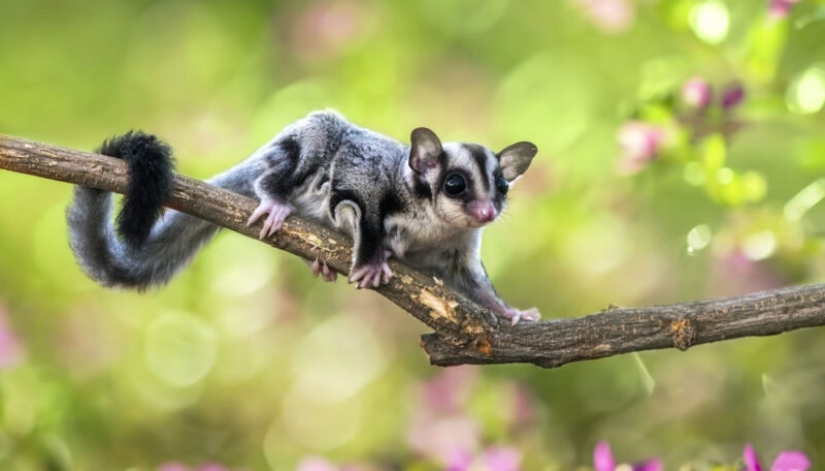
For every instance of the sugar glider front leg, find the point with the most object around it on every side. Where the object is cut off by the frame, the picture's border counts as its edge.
(466, 274)
(482, 290)
(369, 253)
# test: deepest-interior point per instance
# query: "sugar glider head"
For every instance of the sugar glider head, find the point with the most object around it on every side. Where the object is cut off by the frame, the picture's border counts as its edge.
(466, 183)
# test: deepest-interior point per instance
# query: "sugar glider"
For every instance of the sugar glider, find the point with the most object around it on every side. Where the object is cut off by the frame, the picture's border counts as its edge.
(425, 203)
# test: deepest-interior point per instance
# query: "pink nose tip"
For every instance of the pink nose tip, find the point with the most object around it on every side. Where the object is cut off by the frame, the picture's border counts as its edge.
(483, 211)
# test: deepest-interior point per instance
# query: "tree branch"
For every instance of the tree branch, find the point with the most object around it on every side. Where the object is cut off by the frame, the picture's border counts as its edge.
(464, 332)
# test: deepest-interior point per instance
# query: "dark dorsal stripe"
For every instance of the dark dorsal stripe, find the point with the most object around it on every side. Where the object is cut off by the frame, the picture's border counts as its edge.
(479, 154)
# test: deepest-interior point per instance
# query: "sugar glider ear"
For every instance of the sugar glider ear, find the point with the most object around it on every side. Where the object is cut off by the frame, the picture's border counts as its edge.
(425, 150)
(515, 159)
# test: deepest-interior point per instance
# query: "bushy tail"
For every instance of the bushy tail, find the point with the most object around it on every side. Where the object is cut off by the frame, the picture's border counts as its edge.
(150, 182)
(146, 254)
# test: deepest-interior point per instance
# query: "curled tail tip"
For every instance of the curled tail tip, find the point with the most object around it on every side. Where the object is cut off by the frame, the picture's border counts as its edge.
(136, 144)
(150, 181)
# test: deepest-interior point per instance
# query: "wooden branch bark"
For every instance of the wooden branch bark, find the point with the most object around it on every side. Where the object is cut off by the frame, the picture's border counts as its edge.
(464, 332)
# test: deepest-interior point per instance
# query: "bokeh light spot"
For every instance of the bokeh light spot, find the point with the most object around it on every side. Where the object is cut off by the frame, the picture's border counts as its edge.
(597, 246)
(710, 20)
(180, 349)
(336, 360)
(699, 237)
(806, 94)
(242, 268)
(754, 185)
(759, 245)
(320, 426)
(694, 173)
(724, 176)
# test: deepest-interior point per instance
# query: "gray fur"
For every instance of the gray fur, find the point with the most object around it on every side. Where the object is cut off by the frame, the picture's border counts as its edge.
(386, 195)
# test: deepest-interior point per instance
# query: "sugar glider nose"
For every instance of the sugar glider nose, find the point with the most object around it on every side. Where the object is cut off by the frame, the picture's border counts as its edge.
(482, 211)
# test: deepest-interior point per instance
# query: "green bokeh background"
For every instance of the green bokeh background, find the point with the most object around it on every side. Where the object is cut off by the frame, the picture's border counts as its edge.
(246, 360)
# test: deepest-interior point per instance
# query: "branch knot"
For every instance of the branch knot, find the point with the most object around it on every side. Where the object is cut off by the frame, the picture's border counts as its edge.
(682, 333)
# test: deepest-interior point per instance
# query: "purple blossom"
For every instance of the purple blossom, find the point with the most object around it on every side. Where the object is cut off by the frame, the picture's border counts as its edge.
(733, 95)
(785, 461)
(639, 143)
(696, 93)
(603, 460)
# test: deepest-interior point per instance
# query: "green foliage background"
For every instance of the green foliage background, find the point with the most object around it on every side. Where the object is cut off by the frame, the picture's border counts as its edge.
(246, 360)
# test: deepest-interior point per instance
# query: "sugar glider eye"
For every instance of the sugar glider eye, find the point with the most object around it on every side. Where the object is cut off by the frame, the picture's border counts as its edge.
(501, 185)
(454, 185)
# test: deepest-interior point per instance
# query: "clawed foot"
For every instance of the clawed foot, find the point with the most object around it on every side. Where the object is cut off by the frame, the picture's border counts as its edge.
(277, 211)
(371, 275)
(516, 315)
(321, 268)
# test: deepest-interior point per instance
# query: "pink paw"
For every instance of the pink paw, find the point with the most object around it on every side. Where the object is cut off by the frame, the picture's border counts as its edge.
(371, 275)
(321, 268)
(516, 315)
(277, 211)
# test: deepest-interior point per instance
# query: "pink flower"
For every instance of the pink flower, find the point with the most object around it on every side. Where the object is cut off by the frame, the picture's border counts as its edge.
(326, 28)
(785, 461)
(442, 439)
(696, 93)
(12, 352)
(177, 466)
(449, 391)
(610, 16)
(519, 408)
(603, 460)
(779, 9)
(639, 143)
(173, 466)
(441, 428)
(315, 463)
(493, 459)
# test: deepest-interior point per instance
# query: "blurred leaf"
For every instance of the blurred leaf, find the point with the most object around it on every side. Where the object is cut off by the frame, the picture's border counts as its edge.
(817, 15)
(656, 114)
(714, 152)
(810, 153)
(754, 186)
(766, 41)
